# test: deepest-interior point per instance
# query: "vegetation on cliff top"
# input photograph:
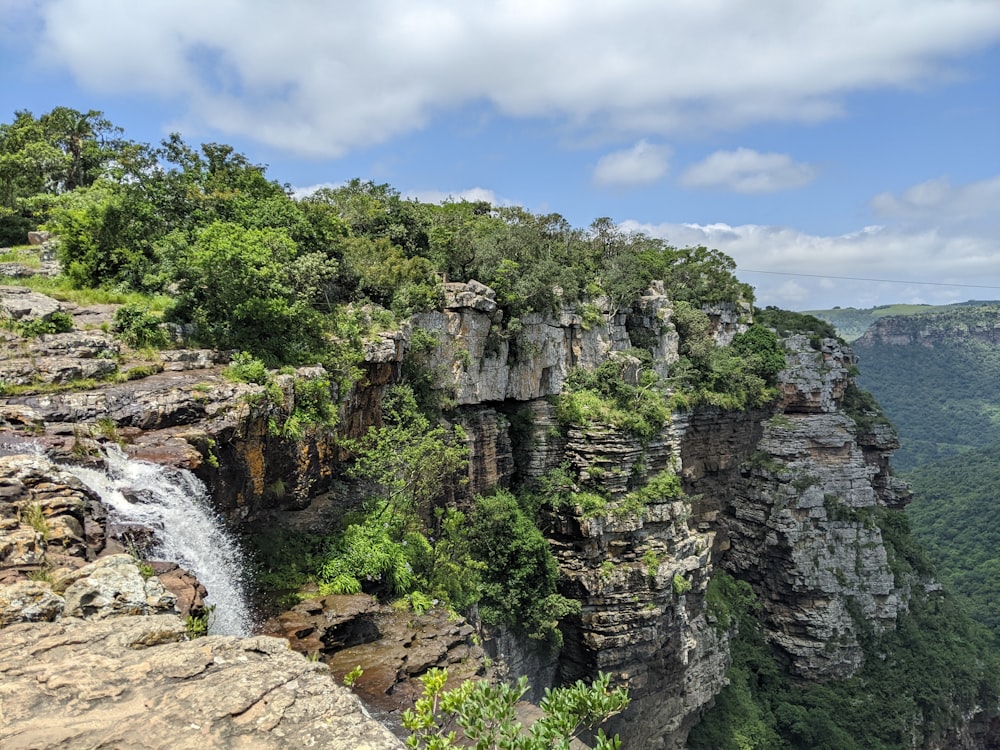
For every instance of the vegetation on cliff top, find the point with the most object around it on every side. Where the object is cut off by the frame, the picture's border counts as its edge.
(253, 268)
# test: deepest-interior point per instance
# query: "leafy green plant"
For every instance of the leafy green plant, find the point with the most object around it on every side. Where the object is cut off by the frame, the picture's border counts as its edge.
(56, 322)
(246, 368)
(483, 715)
(353, 676)
(601, 396)
(367, 553)
(520, 572)
(34, 515)
(680, 584)
(138, 327)
(198, 626)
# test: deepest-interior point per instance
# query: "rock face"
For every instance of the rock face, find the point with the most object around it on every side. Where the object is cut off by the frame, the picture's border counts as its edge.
(797, 503)
(934, 329)
(139, 683)
(481, 363)
(394, 647)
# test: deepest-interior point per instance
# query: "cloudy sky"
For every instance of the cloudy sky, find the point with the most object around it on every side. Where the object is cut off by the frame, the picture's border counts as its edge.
(844, 152)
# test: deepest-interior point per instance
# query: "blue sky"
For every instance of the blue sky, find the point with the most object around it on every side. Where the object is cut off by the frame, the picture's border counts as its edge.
(809, 140)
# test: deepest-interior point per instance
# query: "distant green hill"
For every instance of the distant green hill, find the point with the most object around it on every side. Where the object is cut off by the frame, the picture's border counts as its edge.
(936, 374)
(852, 322)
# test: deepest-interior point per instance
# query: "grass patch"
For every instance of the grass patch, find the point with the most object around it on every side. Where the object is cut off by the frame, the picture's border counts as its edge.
(61, 288)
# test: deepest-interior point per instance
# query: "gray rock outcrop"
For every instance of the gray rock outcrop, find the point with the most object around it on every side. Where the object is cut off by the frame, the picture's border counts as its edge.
(140, 684)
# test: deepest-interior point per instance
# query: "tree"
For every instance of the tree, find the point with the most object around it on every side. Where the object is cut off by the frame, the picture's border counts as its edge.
(484, 716)
(409, 460)
(237, 286)
(519, 580)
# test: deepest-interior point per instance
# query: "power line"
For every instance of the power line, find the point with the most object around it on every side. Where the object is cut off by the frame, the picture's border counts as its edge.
(858, 278)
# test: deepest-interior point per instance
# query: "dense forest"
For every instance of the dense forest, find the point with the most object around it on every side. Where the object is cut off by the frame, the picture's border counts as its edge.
(956, 516)
(944, 399)
(202, 239)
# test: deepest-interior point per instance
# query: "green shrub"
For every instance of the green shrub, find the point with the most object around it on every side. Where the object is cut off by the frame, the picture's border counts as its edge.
(367, 555)
(483, 715)
(246, 368)
(139, 328)
(56, 322)
(601, 396)
(520, 572)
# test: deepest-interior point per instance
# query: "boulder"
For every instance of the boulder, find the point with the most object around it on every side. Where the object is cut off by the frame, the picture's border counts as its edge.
(29, 601)
(19, 303)
(113, 586)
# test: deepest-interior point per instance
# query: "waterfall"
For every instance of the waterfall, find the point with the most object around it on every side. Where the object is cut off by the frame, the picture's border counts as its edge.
(174, 503)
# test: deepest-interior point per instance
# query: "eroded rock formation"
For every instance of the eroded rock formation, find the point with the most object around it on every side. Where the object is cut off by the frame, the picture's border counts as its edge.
(138, 682)
(784, 497)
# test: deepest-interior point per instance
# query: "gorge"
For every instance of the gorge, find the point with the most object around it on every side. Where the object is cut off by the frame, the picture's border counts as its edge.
(794, 497)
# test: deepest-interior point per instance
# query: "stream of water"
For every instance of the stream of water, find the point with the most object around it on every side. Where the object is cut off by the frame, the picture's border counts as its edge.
(174, 503)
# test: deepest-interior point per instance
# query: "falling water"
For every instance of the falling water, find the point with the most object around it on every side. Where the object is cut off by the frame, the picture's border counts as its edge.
(174, 503)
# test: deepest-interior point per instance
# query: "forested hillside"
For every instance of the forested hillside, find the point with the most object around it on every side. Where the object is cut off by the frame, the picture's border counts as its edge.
(852, 322)
(956, 515)
(944, 400)
(937, 375)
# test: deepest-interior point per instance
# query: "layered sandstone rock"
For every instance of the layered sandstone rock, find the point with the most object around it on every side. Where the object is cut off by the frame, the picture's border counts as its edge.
(137, 682)
(799, 504)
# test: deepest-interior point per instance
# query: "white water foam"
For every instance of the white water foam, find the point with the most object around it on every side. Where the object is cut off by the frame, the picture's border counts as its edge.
(174, 503)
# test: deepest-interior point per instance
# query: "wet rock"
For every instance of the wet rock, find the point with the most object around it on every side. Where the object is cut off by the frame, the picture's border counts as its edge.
(186, 588)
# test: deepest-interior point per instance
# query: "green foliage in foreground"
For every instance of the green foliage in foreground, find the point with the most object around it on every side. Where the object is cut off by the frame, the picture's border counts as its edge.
(916, 683)
(482, 715)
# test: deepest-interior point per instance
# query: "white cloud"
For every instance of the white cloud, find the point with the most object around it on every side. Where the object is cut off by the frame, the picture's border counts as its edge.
(643, 164)
(941, 202)
(874, 265)
(747, 171)
(300, 192)
(323, 78)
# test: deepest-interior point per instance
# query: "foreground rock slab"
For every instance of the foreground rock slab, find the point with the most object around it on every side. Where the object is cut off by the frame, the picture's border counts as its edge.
(136, 682)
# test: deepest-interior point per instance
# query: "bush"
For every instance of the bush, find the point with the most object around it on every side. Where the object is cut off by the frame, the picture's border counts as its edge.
(139, 328)
(246, 368)
(601, 396)
(520, 573)
(366, 555)
(57, 322)
(483, 715)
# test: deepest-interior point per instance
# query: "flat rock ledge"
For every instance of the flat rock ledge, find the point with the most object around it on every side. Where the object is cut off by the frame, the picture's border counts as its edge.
(137, 682)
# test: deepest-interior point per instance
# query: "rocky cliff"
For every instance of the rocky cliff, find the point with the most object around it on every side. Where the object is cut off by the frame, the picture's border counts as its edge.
(785, 497)
(972, 323)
